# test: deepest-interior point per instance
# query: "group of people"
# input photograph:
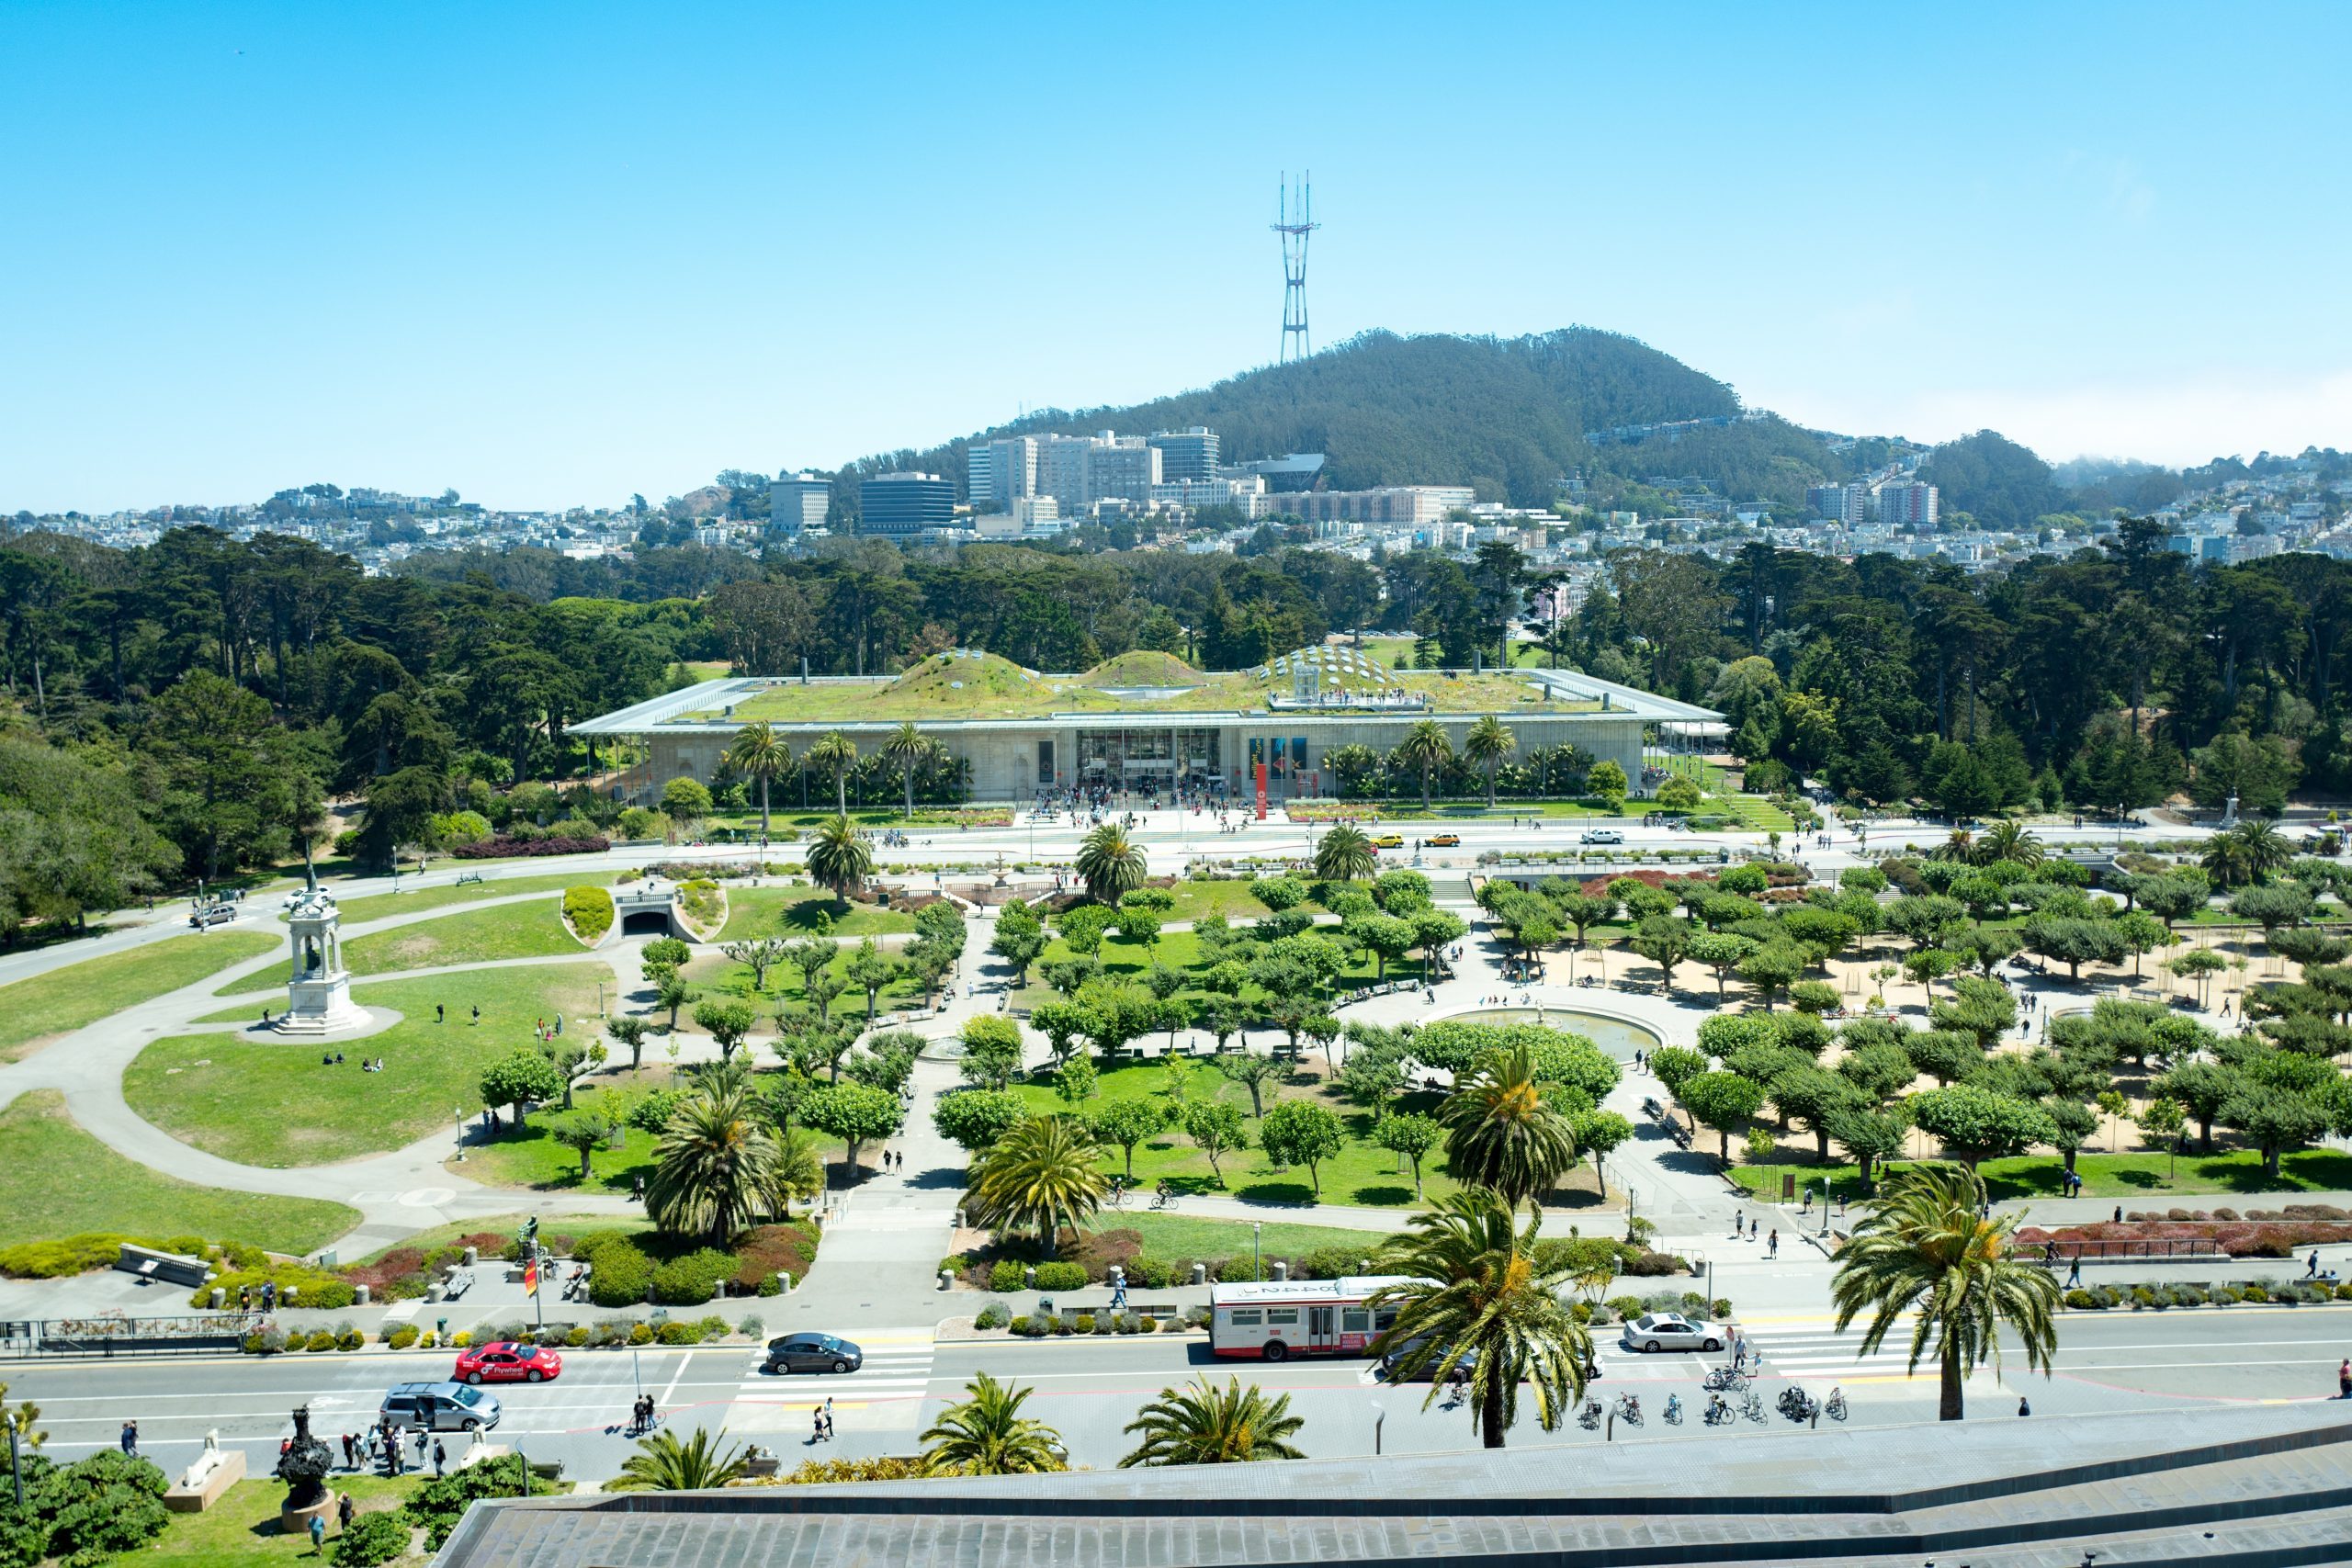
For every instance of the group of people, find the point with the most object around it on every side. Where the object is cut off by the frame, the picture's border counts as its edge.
(642, 1415)
(383, 1447)
(441, 1014)
(268, 1296)
(893, 1162)
(823, 1422)
(366, 1064)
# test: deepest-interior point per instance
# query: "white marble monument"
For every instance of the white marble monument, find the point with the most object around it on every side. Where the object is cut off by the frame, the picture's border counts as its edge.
(318, 995)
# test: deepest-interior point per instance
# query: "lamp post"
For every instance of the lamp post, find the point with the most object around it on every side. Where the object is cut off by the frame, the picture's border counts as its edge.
(1825, 1207)
(16, 1455)
(1257, 1262)
(1379, 1420)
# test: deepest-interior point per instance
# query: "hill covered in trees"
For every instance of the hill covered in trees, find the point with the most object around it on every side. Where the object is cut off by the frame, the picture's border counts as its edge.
(1506, 416)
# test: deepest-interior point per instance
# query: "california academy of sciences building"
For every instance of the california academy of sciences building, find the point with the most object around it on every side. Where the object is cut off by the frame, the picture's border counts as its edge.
(1145, 722)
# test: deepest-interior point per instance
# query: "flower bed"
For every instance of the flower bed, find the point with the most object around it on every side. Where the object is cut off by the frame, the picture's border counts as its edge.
(2156, 1295)
(2237, 1238)
(499, 849)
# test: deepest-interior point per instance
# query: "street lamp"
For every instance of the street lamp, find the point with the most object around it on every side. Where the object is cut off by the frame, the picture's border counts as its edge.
(1825, 1207)
(1379, 1420)
(1257, 1263)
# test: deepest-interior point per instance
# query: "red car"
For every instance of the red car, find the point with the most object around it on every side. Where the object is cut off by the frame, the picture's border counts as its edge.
(506, 1361)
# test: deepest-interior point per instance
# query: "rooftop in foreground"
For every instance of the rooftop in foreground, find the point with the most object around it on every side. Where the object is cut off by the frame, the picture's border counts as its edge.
(2253, 1484)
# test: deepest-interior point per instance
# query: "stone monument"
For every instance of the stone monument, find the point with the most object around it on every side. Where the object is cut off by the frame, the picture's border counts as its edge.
(318, 995)
(303, 1467)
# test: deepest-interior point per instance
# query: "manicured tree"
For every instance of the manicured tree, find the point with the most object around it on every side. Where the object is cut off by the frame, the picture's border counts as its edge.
(1721, 953)
(1279, 893)
(758, 956)
(583, 1132)
(1772, 969)
(1944, 1054)
(870, 969)
(1925, 1252)
(2073, 942)
(2143, 933)
(1301, 1132)
(518, 1078)
(1676, 1066)
(1598, 1134)
(1434, 930)
(1205, 1425)
(1977, 1124)
(1345, 854)
(1077, 1082)
(1723, 1101)
(1878, 1071)
(1984, 1010)
(726, 1021)
(992, 1051)
(2072, 1124)
(629, 1031)
(1139, 928)
(1410, 1137)
(1489, 742)
(1502, 1131)
(1868, 1135)
(1253, 1072)
(1924, 919)
(856, 1113)
(1020, 940)
(974, 1119)
(1127, 1122)
(2171, 899)
(1482, 1297)
(1607, 781)
(1083, 928)
(759, 754)
(2274, 1118)
(1216, 1129)
(2272, 908)
(834, 754)
(2199, 964)
(666, 952)
(839, 859)
(1810, 1095)
(1663, 940)
(1110, 864)
(2163, 1119)
(685, 801)
(1385, 937)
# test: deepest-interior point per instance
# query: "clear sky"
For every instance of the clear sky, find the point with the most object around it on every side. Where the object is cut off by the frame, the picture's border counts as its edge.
(551, 254)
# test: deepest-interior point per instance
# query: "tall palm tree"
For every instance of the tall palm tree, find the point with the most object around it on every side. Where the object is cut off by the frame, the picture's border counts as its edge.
(1111, 864)
(1346, 855)
(2247, 853)
(1500, 1130)
(1424, 747)
(662, 1463)
(1926, 1249)
(1489, 742)
(717, 1168)
(1959, 845)
(2008, 840)
(837, 754)
(1042, 1175)
(1479, 1298)
(1202, 1424)
(986, 1435)
(759, 752)
(907, 749)
(838, 857)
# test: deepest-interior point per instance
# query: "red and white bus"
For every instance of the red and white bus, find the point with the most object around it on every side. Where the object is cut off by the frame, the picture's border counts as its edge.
(1277, 1319)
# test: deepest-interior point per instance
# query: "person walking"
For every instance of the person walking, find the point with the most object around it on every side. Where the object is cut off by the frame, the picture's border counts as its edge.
(829, 1418)
(2344, 1378)
(131, 1438)
(2075, 1275)
(440, 1013)
(2024, 1407)
(477, 1015)
(440, 1457)
(318, 1535)
(350, 1452)
(817, 1426)
(2310, 1269)
(343, 1510)
(1772, 1243)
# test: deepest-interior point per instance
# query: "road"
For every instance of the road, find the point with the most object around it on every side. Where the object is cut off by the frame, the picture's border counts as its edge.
(1089, 1389)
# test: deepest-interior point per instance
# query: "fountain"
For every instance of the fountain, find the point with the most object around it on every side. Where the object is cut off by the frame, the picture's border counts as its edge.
(303, 1467)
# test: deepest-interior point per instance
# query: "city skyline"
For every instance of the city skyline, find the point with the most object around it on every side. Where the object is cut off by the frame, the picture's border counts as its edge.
(549, 263)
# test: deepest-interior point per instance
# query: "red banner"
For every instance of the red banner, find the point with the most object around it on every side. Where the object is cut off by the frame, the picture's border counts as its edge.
(531, 1275)
(1261, 792)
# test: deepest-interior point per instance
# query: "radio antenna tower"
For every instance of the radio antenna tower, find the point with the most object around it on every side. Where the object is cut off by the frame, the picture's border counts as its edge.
(1294, 340)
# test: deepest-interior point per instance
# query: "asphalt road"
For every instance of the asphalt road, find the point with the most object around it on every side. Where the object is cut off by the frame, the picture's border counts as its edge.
(1089, 1389)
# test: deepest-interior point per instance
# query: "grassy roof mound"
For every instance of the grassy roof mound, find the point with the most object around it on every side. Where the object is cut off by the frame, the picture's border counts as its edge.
(953, 682)
(1141, 666)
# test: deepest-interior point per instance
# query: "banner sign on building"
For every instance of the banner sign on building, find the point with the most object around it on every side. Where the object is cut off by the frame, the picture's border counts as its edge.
(1261, 792)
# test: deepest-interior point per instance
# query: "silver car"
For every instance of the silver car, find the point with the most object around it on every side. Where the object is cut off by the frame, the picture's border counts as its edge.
(1671, 1331)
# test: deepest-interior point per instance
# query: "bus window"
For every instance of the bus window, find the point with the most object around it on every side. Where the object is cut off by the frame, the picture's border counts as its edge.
(1282, 1314)
(1354, 1320)
(1384, 1320)
(1246, 1317)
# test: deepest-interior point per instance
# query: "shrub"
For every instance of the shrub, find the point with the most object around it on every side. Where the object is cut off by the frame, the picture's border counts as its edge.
(613, 1330)
(2254, 1293)
(1085, 1323)
(620, 1277)
(1655, 1265)
(1025, 1326)
(1061, 1277)
(1196, 1317)
(771, 1284)
(506, 845)
(1061, 1327)
(68, 1255)
(1235, 1271)
(1127, 1323)
(1327, 1263)
(2144, 1297)
(98, 1507)
(640, 1333)
(590, 910)
(770, 1250)
(2225, 1214)
(370, 1540)
(678, 1333)
(2344, 1291)
(1722, 1306)
(401, 1338)
(996, 1314)
(313, 1288)
(577, 1338)
(1148, 1325)
(693, 1279)
(265, 1342)
(1626, 1306)
(1008, 1276)
(460, 1339)
(1150, 1273)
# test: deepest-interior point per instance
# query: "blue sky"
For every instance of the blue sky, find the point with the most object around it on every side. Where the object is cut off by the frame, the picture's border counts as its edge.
(551, 254)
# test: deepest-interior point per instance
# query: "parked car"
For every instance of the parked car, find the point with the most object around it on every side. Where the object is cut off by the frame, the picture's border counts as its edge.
(813, 1353)
(212, 915)
(505, 1361)
(1389, 841)
(1671, 1331)
(1600, 836)
(1391, 1361)
(1444, 841)
(441, 1407)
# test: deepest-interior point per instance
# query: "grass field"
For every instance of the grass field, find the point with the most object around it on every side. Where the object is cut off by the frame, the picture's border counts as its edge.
(241, 1529)
(793, 911)
(1361, 1174)
(264, 1100)
(1230, 899)
(472, 936)
(1179, 1236)
(379, 905)
(2123, 1178)
(33, 1010)
(531, 1158)
(62, 1181)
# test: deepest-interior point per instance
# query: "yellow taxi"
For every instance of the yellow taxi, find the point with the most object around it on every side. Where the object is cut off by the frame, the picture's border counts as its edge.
(1389, 841)
(1444, 841)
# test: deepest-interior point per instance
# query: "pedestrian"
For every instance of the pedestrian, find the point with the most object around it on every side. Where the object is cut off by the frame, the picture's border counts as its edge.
(2118, 1214)
(131, 1438)
(423, 1436)
(1772, 1243)
(350, 1453)
(318, 1535)
(829, 1418)
(477, 1015)
(817, 1426)
(2075, 1275)
(2024, 1408)
(440, 1457)
(2344, 1378)
(244, 1297)
(269, 1295)
(343, 1510)
(440, 1013)
(2310, 1270)
(639, 1189)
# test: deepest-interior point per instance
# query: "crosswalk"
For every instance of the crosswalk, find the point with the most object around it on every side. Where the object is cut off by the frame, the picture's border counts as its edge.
(1802, 1355)
(896, 1368)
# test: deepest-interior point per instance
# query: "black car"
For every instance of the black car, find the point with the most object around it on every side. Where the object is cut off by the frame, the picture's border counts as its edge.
(813, 1353)
(1390, 1363)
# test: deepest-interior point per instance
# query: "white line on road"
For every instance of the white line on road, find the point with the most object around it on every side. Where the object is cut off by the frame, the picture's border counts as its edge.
(683, 1362)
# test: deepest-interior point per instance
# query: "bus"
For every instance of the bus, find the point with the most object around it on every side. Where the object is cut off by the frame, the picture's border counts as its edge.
(1275, 1319)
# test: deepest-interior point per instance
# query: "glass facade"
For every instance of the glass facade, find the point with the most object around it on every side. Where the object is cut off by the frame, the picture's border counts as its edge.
(1146, 758)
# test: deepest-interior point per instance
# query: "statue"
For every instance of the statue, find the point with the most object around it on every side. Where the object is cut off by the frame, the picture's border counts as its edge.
(318, 993)
(303, 1467)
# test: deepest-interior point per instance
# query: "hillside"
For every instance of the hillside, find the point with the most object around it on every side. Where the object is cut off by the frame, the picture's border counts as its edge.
(1506, 416)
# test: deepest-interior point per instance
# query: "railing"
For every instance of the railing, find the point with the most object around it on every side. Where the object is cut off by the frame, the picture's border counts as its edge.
(2162, 1246)
(110, 1336)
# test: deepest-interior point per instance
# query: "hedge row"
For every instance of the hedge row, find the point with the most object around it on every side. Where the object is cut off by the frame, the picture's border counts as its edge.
(2140, 1298)
(503, 848)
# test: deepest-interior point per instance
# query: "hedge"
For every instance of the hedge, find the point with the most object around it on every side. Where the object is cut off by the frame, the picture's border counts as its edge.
(503, 848)
(619, 1275)
(1060, 1276)
(693, 1279)
(590, 910)
(98, 1249)
(370, 1539)
(312, 1288)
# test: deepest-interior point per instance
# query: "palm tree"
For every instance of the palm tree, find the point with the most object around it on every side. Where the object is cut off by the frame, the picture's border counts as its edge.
(2247, 853)
(1926, 1248)
(1205, 1425)
(717, 1168)
(907, 750)
(1489, 742)
(2008, 840)
(1346, 855)
(1960, 845)
(1479, 1298)
(759, 752)
(661, 1464)
(1500, 1130)
(838, 857)
(836, 753)
(986, 1435)
(1042, 1175)
(1112, 864)
(1424, 747)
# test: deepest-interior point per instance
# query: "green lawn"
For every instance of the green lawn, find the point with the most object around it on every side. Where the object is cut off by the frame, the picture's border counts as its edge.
(265, 1100)
(1179, 1236)
(48, 1004)
(62, 1181)
(379, 905)
(714, 974)
(2120, 1177)
(1362, 1174)
(792, 910)
(241, 1529)
(1230, 898)
(474, 936)
(533, 1159)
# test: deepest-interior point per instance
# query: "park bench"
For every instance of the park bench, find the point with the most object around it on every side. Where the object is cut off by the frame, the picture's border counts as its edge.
(464, 877)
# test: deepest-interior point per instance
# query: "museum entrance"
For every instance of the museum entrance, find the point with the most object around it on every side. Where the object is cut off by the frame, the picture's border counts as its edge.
(1158, 760)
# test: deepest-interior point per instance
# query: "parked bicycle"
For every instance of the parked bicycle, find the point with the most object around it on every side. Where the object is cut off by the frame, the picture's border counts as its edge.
(1674, 1410)
(1751, 1405)
(1730, 1378)
(1835, 1407)
(1590, 1417)
(1629, 1409)
(1797, 1405)
(1719, 1410)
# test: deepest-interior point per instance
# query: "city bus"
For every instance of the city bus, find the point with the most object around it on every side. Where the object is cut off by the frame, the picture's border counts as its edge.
(1275, 1319)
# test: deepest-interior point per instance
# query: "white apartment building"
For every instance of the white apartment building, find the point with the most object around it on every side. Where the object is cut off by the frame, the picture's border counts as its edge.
(1004, 470)
(1907, 506)
(1245, 496)
(1413, 505)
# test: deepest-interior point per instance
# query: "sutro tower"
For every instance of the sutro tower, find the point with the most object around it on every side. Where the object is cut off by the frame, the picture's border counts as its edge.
(1295, 341)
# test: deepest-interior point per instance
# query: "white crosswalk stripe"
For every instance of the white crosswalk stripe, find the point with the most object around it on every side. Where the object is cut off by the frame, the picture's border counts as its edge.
(893, 1371)
(1811, 1354)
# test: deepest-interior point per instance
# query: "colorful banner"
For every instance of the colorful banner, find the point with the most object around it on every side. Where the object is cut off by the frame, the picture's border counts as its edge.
(1261, 792)
(531, 1274)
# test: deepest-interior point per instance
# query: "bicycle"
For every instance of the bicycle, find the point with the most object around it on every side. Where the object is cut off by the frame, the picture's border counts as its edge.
(1673, 1410)
(1590, 1417)
(1751, 1405)
(1117, 1197)
(1629, 1409)
(1834, 1407)
(1719, 1410)
(1728, 1378)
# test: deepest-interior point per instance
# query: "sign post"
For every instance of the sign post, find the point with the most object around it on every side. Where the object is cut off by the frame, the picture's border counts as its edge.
(1261, 792)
